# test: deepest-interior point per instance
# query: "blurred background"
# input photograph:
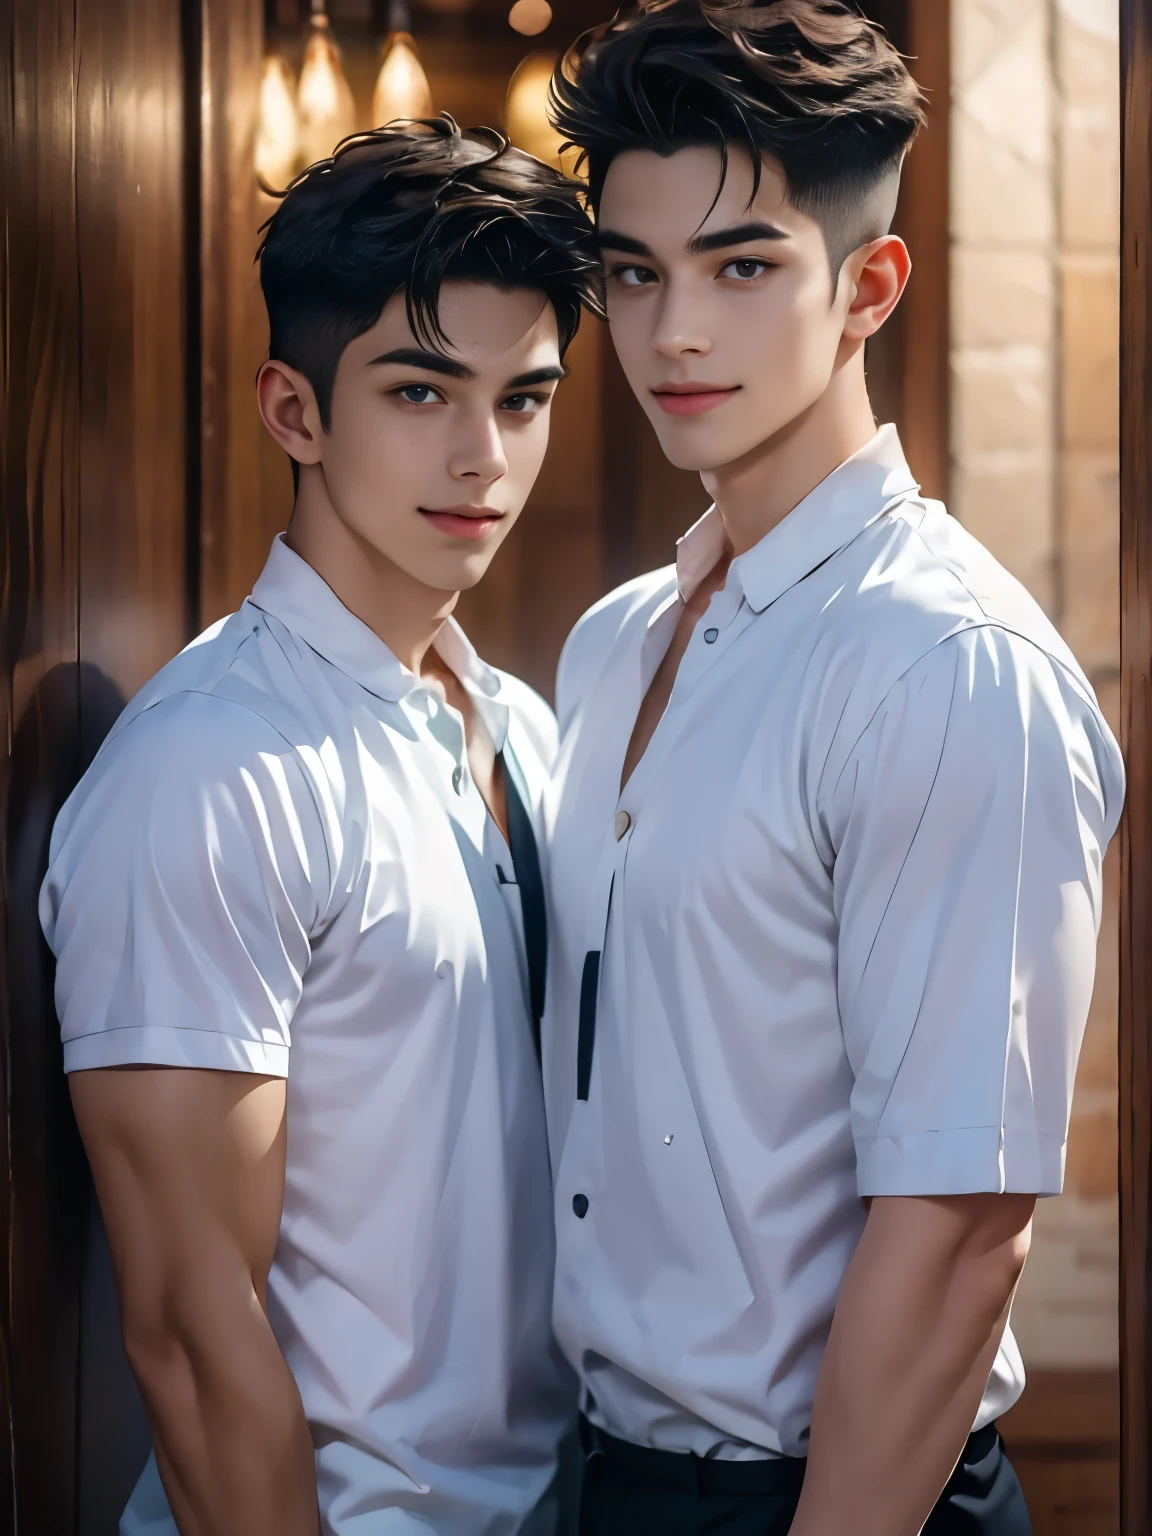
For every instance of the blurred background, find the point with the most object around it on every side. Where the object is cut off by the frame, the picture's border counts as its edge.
(140, 495)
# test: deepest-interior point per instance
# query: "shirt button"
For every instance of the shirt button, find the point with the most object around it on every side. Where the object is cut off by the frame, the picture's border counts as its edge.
(580, 1205)
(458, 779)
(621, 824)
(711, 636)
(490, 685)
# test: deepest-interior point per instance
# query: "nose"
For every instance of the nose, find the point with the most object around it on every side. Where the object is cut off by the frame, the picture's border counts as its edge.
(680, 324)
(478, 452)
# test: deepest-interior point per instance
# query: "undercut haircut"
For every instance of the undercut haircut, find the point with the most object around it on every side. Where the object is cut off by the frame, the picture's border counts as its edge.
(407, 208)
(811, 83)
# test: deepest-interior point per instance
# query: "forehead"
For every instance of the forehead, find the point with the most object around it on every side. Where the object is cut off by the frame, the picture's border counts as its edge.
(486, 327)
(664, 200)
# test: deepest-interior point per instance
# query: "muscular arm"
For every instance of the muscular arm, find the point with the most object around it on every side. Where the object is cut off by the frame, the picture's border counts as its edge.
(918, 1322)
(189, 1169)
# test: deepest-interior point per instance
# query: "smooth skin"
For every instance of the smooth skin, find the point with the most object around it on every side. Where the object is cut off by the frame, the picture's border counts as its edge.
(403, 500)
(746, 352)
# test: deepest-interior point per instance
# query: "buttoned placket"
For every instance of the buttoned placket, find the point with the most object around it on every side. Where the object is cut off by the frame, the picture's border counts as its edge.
(727, 615)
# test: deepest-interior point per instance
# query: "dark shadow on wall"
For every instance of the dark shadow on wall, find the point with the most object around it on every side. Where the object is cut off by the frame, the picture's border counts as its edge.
(63, 1305)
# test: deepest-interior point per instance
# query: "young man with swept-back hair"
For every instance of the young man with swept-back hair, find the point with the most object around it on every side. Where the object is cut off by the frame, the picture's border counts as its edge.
(298, 892)
(827, 827)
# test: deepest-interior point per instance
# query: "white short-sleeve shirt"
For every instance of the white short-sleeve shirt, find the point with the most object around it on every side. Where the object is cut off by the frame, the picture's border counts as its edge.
(845, 913)
(279, 863)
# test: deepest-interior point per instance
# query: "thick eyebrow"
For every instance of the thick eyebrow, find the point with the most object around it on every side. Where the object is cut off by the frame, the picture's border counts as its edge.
(538, 376)
(609, 239)
(431, 362)
(718, 240)
(735, 234)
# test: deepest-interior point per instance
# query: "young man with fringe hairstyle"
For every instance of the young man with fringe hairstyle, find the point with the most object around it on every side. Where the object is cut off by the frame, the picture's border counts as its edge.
(827, 830)
(298, 894)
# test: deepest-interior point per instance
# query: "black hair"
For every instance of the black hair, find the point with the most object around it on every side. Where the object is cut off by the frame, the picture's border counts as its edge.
(405, 208)
(812, 83)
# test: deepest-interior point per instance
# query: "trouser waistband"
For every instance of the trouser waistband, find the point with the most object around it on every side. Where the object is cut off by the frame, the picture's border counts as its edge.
(772, 1475)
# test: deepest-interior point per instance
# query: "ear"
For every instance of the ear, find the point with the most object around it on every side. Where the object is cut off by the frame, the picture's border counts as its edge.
(880, 271)
(288, 408)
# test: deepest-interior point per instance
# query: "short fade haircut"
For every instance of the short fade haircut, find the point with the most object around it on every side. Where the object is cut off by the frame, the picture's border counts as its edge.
(406, 208)
(812, 83)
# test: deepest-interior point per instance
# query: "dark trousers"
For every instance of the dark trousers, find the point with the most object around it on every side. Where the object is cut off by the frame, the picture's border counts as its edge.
(631, 1491)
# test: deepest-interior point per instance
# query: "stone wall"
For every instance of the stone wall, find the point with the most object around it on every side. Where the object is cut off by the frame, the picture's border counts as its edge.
(1035, 315)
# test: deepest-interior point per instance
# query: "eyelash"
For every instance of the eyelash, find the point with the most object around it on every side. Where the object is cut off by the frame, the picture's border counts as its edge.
(537, 400)
(620, 273)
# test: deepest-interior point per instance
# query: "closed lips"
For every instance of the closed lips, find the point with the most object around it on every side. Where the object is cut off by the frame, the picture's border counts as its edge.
(692, 399)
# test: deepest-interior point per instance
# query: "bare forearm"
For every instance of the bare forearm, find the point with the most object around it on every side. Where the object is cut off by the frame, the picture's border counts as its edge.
(232, 1443)
(913, 1342)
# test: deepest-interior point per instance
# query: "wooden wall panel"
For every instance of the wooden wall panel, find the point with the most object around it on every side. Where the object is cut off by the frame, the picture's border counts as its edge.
(94, 599)
(245, 489)
(908, 361)
(1136, 731)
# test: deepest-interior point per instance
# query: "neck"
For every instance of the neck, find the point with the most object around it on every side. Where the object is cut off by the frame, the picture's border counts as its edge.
(403, 612)
(757, 491)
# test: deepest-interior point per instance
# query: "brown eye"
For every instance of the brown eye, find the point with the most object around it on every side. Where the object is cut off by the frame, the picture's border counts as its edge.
(745, 269)
(418, 394)
(634, 277)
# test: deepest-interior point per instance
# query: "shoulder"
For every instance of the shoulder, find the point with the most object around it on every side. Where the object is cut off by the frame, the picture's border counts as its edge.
(1002, 710)
(911, 583)
(594, 635)
(209, 727)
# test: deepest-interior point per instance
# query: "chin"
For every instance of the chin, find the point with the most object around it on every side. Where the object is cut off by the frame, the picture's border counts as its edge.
(463, 572)
(701, 451)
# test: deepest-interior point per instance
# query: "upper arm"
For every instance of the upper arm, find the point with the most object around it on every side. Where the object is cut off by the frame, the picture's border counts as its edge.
(189, 1170)
(188, 874)
(970, 825)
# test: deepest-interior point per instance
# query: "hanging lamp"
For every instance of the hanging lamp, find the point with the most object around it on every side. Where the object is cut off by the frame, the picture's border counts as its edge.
(277, 129)
(324, 102)
(402, 88)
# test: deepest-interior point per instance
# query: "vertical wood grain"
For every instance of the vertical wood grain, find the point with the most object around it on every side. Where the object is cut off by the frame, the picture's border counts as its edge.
(93, 598)
(908, 361)
(924, 224)
(1136, 726)
(41, 535)
(245, 483)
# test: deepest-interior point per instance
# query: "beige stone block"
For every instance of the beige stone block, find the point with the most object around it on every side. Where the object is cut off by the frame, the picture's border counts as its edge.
(1093, 1149)
(999, 197)
(1090, 344)
(1096, 1075)
(1089, 181)
(983, 29)
(1108, 697)
(1001, 401)
(1090, 558)
(1089, 132)
(1064, 1315)
(1087, 39)
(1011, 95)
(1001, 297)
(1007, 504)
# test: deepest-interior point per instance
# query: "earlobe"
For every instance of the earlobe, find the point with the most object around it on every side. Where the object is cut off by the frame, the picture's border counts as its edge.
(884, 269)
(289, 410)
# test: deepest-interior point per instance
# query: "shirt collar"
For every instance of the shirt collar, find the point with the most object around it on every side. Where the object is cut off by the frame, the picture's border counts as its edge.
(829, 517)
(291, 591)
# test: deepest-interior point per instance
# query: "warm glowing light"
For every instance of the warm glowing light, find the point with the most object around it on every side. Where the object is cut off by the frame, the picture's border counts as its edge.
(277, 131)
(324, 98)
(401, 86)
(526, 114)
(530, 16)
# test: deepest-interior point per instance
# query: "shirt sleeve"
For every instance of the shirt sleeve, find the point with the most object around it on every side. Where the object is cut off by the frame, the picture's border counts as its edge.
(187, 872)
(969, 827)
